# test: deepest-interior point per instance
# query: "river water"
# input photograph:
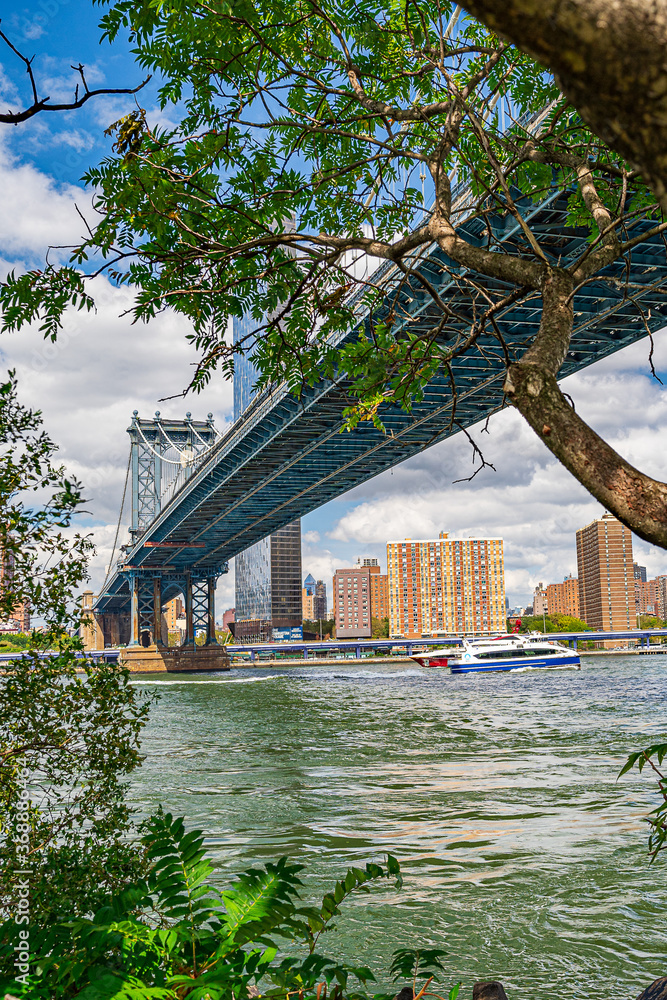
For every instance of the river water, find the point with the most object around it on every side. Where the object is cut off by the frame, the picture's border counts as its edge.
(523, 857)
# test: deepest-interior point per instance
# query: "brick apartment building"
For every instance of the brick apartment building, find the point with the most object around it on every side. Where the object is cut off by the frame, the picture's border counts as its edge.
(606, 576)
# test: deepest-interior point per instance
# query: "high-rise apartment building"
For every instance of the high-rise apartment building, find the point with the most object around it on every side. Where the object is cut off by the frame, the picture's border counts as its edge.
(360, 594)
(606, 575)
(446, 586)
(639, 572)
(352, 602)
(646, 597)
(651, 597)
(661, 597)
(320, 601)
(268, 574)
(379, 595)
(307, 605)
(563, 598)
(540, 603)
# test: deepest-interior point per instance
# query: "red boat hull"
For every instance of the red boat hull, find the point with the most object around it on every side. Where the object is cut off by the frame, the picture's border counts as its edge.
(431, 661)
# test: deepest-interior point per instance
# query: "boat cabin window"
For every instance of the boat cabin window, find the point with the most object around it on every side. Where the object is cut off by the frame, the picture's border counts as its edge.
(507, 654)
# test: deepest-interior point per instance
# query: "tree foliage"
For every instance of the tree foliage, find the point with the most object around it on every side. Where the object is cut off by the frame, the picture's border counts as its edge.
(380, 628)
(69, 728)
(319, 139)
(653, 756)
(326, 625)
(554, 623)
(175, 934)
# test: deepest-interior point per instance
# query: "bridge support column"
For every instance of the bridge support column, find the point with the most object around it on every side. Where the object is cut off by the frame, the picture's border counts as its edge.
(134, 610)
(211, 639)
(189, 617)
(157, 611)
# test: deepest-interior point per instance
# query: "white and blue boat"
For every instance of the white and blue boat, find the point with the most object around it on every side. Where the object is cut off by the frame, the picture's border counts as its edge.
(504, 652)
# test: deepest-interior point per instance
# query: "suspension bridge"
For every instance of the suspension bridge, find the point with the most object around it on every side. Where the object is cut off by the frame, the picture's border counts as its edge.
(199, 498)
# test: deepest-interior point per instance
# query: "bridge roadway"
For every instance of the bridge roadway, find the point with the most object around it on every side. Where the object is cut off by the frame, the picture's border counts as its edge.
(287, 456)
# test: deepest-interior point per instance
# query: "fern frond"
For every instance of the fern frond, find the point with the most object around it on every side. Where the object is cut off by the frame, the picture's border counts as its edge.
(179, 870)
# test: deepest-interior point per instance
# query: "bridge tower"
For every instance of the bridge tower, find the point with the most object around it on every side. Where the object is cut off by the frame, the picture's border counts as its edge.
(164, 453)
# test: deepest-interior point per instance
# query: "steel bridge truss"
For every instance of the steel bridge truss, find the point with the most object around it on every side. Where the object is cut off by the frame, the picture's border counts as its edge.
(164, 454)
(150, 588)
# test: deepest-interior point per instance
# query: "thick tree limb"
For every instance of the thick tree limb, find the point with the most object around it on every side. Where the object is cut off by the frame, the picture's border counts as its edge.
(609, 60)
(636, 499)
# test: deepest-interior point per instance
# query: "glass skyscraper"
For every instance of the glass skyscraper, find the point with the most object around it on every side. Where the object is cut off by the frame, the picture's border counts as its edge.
(268, 574)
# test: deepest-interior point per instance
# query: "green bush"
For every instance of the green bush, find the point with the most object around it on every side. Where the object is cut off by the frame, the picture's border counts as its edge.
(175, 935)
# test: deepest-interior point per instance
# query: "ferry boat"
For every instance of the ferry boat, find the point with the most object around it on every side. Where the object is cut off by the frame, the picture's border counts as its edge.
(504, 652)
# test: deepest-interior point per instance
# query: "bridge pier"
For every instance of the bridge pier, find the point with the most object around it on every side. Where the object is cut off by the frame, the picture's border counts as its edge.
(157, 611)
(146, 596)
(211, 638)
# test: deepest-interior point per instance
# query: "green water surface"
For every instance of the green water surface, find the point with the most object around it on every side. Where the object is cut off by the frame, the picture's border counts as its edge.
(523, 856)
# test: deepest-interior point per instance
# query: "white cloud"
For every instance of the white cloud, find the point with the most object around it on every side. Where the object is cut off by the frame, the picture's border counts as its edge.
(36, 211)
(312, 537)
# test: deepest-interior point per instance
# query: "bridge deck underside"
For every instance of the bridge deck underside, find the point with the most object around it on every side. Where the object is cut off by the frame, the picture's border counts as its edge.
(290, 457)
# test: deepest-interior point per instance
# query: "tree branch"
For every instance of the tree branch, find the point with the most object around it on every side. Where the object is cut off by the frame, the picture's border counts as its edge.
(41, 104)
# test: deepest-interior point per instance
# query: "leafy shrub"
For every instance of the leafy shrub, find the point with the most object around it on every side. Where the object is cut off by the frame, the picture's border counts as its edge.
(176, 935)
(658, 818)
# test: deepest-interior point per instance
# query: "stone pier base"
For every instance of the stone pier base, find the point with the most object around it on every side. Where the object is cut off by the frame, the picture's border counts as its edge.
(174, 659)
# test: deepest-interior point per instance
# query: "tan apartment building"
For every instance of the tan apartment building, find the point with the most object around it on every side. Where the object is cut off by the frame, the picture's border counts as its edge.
(563, 598)
(379, 591)
(173, 610)
(651, 597)
(307, 605)
(540, 606)
(446, 586)
(606, 576)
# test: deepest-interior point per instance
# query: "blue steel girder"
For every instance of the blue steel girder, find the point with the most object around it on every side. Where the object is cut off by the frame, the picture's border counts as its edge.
(287, 455)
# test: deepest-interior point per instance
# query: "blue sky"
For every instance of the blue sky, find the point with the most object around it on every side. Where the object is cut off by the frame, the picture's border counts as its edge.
(103, 368)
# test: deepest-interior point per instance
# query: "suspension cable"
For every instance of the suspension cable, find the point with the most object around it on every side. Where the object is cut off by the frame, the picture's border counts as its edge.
(120, 517)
